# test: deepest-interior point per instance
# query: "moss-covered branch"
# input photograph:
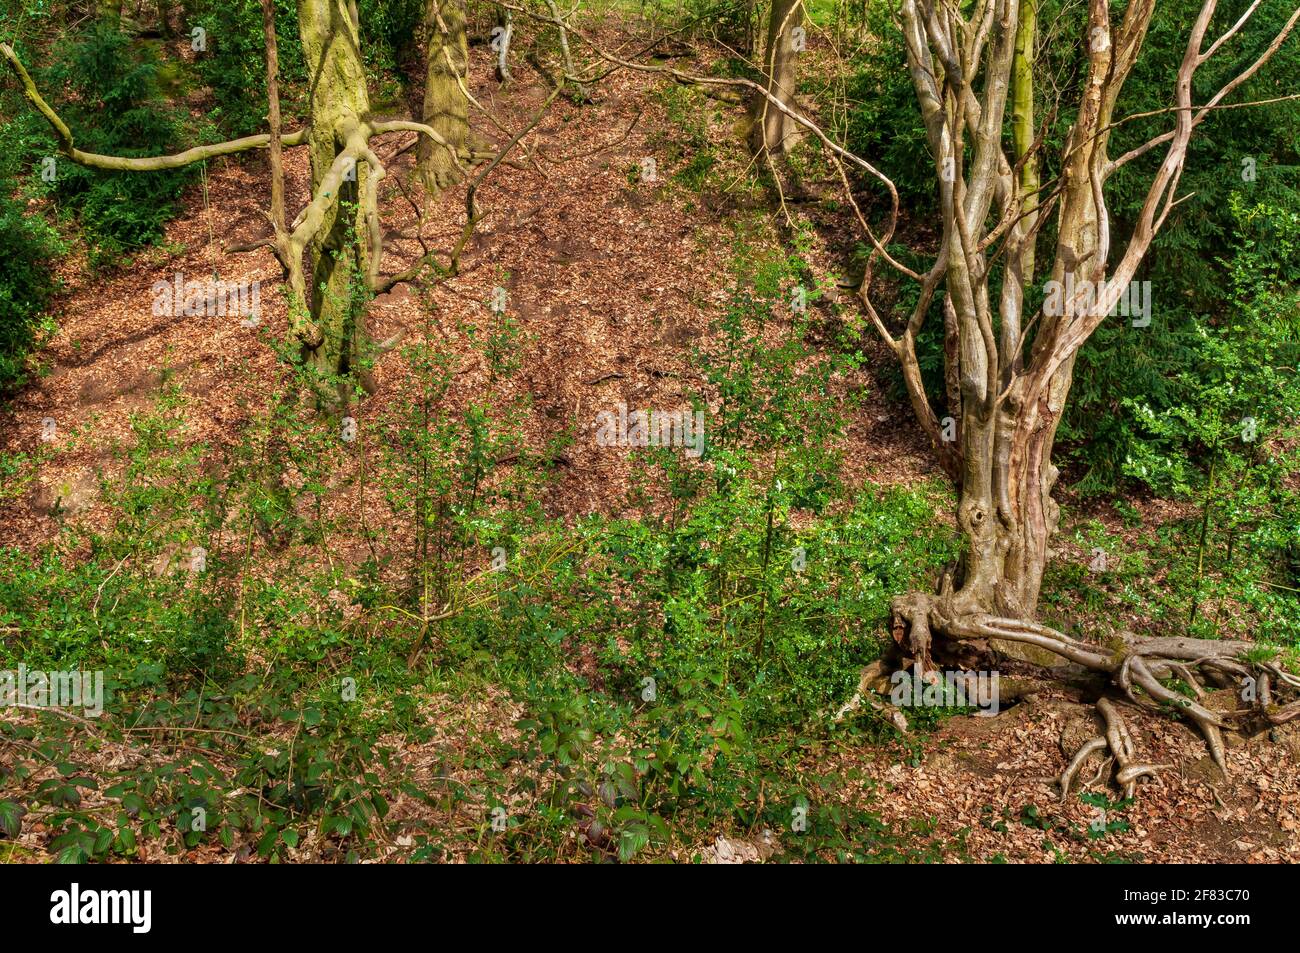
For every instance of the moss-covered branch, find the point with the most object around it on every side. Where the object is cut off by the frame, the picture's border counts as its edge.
(122, 163)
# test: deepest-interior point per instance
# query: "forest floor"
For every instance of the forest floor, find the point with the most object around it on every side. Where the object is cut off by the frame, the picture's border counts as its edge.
(612, 280)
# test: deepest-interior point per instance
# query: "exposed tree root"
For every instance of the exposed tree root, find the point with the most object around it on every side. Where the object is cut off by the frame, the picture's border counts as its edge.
(1123, 751)
(1139, 669)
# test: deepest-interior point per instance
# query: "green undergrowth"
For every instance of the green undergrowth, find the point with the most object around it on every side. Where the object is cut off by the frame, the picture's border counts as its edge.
(282, 682)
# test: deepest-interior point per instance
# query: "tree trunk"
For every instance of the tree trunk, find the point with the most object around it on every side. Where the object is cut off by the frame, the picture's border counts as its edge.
(165, 19)
(338, 255)
(445, 107)
(1006, 510)
(773, 129)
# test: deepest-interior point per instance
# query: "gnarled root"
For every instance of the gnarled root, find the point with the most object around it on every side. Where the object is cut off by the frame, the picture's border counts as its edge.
(1119, 740)
(1089, 748)
(1138, 667)
(912, 627)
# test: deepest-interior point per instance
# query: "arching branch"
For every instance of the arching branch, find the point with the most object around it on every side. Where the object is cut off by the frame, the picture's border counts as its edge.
(122, 163)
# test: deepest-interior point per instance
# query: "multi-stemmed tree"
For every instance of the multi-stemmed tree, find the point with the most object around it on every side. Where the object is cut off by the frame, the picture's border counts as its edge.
(1008, 372)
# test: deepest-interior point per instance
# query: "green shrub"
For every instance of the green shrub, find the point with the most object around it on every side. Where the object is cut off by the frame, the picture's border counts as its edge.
(27, 246)
(234, 65)
(105, 88)
(1238, 157)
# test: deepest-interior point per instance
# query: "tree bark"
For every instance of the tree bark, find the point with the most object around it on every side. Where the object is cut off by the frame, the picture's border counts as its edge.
(773, 129)
(446, 108)
(338, 254)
